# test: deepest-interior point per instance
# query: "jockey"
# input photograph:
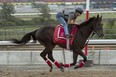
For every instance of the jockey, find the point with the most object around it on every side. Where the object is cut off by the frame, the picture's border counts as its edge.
(68, 18)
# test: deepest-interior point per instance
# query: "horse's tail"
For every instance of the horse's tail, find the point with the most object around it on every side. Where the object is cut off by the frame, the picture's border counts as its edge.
(26, 38)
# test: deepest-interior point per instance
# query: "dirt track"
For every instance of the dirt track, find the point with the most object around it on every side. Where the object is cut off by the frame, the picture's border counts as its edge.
(95, 71)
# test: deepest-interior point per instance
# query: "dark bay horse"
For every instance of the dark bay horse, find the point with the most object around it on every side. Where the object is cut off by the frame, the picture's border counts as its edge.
(45, 37)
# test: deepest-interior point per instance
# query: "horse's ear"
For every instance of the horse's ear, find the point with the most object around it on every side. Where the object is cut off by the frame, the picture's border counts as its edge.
(101, 17)
(98, 16)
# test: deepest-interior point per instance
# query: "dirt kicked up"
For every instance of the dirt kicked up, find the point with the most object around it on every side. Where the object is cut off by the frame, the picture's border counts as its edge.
(95, 71)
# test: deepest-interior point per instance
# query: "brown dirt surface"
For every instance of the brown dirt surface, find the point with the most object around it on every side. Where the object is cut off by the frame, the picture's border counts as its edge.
(35, 71)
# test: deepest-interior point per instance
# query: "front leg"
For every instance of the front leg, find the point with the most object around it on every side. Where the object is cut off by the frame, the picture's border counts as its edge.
(75, 55)
(82, 63)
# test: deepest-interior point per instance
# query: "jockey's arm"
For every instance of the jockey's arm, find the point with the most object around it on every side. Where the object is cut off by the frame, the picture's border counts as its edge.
(70, 21)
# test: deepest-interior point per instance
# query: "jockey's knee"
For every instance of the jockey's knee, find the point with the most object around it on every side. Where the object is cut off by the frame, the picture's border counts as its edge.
(60, 14)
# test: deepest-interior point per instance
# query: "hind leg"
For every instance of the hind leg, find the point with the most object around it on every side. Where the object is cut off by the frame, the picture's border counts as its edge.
(43, 55)
(50, 56)
(48, 51)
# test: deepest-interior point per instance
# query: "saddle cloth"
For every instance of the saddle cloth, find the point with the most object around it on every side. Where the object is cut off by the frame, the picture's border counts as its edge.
(59, 35)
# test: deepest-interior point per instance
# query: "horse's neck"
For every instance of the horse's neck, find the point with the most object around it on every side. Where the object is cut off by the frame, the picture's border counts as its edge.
(85, 31)
(85, 28)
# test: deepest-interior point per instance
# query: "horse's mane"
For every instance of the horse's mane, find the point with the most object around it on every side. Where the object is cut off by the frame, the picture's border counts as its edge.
(87, 22)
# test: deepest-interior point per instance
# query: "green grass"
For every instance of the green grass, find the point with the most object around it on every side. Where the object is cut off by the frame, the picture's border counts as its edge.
(106, 15)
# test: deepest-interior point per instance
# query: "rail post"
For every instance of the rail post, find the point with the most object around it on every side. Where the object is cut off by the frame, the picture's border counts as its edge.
(87, 16)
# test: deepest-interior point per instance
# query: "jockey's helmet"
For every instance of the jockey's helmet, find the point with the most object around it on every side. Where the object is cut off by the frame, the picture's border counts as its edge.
(80, 10)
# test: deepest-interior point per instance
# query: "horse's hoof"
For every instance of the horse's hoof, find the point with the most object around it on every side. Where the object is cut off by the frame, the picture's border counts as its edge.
(76, 67)
(62, 69)
(50, 69)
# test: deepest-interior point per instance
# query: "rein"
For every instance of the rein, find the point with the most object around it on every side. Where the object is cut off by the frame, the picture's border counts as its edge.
(89, 38)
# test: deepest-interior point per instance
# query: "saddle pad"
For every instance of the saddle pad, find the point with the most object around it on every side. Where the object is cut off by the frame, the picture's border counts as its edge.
(59, 35)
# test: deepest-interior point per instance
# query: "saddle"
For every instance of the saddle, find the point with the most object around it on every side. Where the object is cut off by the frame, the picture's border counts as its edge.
(59, 35)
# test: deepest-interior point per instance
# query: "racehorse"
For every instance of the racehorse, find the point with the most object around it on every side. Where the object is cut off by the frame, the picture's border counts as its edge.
(45, 37)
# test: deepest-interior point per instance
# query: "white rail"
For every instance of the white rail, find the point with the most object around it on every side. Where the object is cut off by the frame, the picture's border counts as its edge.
(20, 14)
(102, 42)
